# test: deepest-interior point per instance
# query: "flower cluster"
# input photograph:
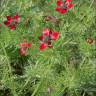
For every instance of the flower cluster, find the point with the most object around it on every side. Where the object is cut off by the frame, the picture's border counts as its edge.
(11, 22)
(24, 46)
(63, 6)
(46, 38)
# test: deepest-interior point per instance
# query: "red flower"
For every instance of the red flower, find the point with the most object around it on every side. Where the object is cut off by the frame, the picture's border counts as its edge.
(28, 45)
(54, 35)
(24, 47)
(49, 44)
(46, 32)
(42, 46)
(59, 3)
(22, 51)
(8, 21)
(46, 38)
(11, 21)
(9, 18)
(62, 11)
(12, 27)
(63, 7)
(16, 18)
(68, 4)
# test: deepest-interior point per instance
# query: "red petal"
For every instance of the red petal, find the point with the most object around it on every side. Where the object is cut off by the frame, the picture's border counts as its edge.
(22, 51)
(40, 38)
(63, 11)
(16, 17)
(54, 35)
(23, 45)
(50, 45)
(7, 23)
(68, 1)
(12, 27)
(46, 32)
(70, 6)
(42, 46)
(9, 18)
(60, 10)
(28, 45)
(59, 3)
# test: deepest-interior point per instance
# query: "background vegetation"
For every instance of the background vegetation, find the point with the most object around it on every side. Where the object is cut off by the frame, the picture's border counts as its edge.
(68, 69)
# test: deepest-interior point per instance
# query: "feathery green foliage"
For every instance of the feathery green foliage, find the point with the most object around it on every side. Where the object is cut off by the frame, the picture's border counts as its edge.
(68, 69)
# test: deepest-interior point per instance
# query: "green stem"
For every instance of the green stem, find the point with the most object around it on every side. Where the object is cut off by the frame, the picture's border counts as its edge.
(5, 7)
(8, 62)
(35, 91)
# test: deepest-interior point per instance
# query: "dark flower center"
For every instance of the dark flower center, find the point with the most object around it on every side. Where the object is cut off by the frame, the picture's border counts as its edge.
(47, 39)
(13, 22)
